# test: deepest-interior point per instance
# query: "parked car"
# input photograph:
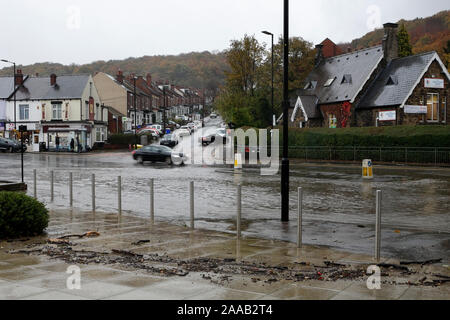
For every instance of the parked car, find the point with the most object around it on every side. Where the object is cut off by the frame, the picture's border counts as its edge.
(152, 132)
(158, 154)
(213, 116)
(184, 131)
(8, 145)
(169, 140)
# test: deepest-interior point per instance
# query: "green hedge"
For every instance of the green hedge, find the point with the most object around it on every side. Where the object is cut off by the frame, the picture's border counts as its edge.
(21, 215)
(398, 136)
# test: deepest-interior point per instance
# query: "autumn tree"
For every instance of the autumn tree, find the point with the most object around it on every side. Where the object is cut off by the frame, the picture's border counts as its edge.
(404, 45)
(245, 99)
(245, 58)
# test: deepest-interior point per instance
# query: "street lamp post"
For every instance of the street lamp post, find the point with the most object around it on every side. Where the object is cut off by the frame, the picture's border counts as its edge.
(14, 84)
(271, 34)
(164, 109)
(135, 115)
(285, 160)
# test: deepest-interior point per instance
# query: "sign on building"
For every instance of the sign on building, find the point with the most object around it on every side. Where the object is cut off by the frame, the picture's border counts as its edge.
(415, 109)
(434, 83)
(387, 115)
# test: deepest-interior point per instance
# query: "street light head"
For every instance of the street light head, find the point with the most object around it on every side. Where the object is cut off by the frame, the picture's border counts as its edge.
(268, 33)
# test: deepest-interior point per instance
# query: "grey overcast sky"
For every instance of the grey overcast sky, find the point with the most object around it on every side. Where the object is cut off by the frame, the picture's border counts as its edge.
(82, 31)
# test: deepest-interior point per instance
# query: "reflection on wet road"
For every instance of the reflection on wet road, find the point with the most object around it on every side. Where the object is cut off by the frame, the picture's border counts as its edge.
(338, 206)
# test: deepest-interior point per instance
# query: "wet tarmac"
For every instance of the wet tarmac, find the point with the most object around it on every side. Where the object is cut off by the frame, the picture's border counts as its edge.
(339, 207)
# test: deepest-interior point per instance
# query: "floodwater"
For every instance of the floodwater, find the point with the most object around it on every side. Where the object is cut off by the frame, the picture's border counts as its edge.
(338, 208)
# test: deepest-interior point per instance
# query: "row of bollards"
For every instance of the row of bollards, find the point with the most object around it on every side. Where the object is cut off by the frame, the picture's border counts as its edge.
(192, 206)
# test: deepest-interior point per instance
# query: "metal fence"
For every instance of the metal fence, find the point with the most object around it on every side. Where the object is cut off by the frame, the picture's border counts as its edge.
(428, 156)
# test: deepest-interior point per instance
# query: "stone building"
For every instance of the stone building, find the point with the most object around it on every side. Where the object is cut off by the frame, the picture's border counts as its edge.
(373, 87)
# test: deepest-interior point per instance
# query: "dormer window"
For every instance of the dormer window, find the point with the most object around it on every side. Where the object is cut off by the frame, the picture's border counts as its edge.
(329, 82)
(311, 85)
(347, 78)
(392, 81)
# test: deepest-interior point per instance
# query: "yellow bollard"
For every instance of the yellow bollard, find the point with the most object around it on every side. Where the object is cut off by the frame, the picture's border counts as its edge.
(238, 161)
(367, 171)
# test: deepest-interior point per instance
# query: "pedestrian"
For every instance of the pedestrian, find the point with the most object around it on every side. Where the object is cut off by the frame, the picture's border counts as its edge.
(57, 142)
(78, 145)
(72, 145)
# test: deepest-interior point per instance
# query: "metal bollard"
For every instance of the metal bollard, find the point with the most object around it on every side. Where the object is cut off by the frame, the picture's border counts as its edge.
(71, 189)
(239, 209)
(378, 226)
(119, 193)
(34, 184)
(93, 192)
(52, 196)
(191, 191)
(152, 200)
(300, 214)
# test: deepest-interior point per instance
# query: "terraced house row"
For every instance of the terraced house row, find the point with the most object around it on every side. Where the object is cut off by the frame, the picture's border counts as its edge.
(88, 109)
(372, 87)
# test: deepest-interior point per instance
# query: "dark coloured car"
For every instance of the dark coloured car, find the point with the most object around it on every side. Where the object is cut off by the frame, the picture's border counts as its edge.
(8, 145)
(155, 153)
(169, 140)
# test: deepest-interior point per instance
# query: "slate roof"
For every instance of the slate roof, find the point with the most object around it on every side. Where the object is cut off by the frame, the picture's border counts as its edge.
(39, 88)
(309, 104)
(6, 87)
(403, 73)
(358, 64)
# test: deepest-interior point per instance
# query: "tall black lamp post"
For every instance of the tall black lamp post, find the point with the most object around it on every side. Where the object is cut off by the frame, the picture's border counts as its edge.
(14, 83)
(285, 160)
(271, 34)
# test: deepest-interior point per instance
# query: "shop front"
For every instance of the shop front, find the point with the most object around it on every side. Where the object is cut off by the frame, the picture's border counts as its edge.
(81, 136)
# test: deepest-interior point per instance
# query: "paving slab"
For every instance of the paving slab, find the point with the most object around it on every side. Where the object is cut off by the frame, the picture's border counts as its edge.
(174, 262)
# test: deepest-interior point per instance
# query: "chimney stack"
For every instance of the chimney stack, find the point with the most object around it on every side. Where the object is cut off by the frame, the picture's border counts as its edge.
(149, 79)
(390, 41)
(18, 78)
(319, 54)
(119, 76)
(53, 79)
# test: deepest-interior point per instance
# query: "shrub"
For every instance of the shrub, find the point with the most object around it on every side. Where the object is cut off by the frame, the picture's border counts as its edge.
(21, 215)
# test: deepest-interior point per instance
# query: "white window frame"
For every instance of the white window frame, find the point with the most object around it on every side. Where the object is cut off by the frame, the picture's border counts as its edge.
(444, 108)
(24, 107)
(431, 105)
(56, 111)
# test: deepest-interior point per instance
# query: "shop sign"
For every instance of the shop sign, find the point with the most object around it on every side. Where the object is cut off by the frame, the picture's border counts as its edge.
(387, 115)
(434, 83)
(416, 109)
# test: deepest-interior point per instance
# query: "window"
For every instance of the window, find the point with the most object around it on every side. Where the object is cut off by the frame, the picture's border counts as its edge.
(311, 85)
(98, 135)
(332, 121)
(57, 111)
(86, 110)
(24, 110)
(329, 82)
(347, 79)
(444, 108)
(433, 107)
(392, 81)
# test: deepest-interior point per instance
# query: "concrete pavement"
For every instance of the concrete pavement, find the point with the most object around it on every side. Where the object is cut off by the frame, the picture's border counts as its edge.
(132, 258)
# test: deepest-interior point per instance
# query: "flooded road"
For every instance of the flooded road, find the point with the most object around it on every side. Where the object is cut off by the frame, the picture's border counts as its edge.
(339, 208)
